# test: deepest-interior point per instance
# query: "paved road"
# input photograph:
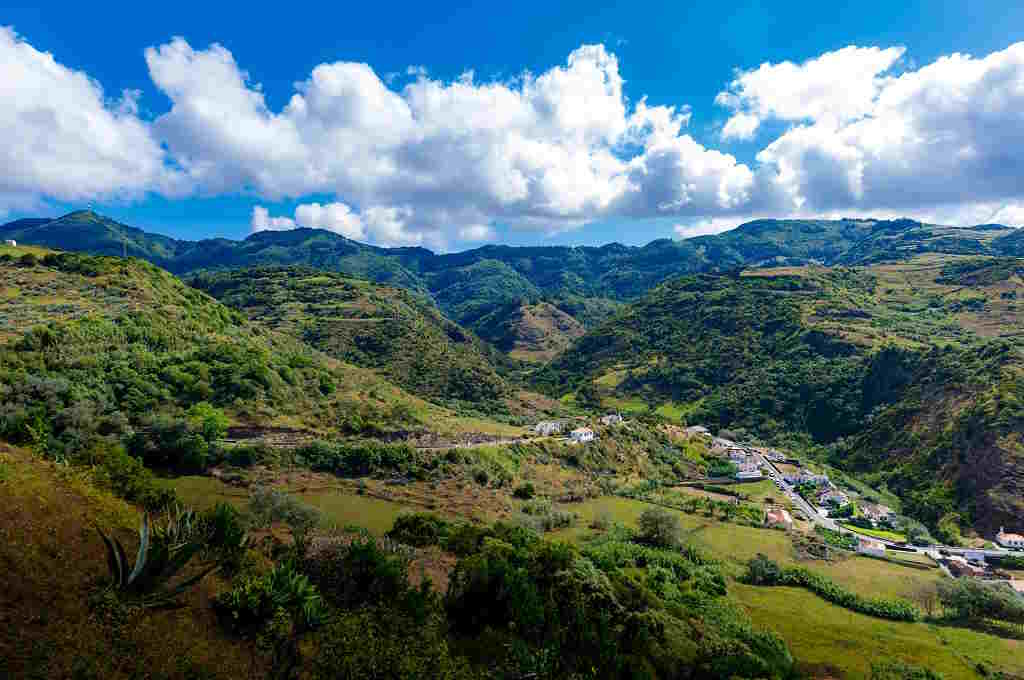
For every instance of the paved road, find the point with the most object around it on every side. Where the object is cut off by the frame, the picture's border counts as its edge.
(816, 517)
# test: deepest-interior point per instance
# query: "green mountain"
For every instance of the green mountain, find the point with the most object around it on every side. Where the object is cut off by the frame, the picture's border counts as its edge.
(390, 329)
(909, 373)
(470, 285)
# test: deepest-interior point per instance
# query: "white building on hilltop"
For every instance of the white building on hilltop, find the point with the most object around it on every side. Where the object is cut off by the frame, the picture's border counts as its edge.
(611, 419)
(11, 242)
(581, 435)
(1009, 540)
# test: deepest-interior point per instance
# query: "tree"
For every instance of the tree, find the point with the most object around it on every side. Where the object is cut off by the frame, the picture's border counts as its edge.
(659, 527)
(208, 420)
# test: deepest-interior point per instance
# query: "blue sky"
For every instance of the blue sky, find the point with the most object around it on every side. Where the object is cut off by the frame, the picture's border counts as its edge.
(572, 176)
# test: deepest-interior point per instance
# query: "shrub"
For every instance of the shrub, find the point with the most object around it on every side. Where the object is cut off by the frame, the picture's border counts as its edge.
(254, 601)
(357, 574)
(420, 529)
(270, 505)
(379, 644)
(524, 491)
(481, 476)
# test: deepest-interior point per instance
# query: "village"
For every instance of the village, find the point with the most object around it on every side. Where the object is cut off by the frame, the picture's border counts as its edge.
(815, 500)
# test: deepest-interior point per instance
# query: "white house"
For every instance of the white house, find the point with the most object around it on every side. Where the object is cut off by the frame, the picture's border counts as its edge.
(869, 546)
(746, 475)
(581, 435)
(698, 429)
(1009, 540)
(611, 419)
(548, 427)
(11, 242)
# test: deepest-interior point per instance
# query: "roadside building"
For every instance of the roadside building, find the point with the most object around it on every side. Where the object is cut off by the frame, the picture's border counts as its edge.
(548, 427)
(11, 242)
(869, 546)
(749, 475)
(611, 419)
(698, 430)
(1009, 540)
(581, 435)
(778, 517)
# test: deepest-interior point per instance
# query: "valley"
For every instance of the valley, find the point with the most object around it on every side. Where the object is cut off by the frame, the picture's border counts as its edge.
(374, 413)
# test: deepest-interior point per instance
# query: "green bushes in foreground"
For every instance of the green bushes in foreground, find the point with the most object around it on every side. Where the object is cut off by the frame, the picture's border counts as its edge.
(765, 572)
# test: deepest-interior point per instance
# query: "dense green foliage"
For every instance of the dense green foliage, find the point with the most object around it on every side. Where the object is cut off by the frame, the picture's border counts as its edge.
(100, 352)
(752, 353)
(369, 325)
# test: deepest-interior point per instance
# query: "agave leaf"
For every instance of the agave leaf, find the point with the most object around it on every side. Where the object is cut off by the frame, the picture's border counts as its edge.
(114, 563)
(140, 559)
(123, 559)
(188, 583)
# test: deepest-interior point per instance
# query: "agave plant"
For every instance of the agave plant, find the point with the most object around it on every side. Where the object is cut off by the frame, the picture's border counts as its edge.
(162, 555)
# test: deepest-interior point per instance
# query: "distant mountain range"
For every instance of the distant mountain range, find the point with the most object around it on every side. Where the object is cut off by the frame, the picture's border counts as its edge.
(583, 282)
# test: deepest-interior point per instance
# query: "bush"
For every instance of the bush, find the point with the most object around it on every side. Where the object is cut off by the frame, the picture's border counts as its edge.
(659, 528)
(254, 601)
(481, 476)
(420, 529)
(378, 644)
(226, 538)
(360, 573)
(270, 505)
(524, 491)
(128, 478)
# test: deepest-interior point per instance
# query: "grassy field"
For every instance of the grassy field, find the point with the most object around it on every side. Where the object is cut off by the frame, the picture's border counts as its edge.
(345, 508)
(737, 543)
(824, 637)
(338, 506)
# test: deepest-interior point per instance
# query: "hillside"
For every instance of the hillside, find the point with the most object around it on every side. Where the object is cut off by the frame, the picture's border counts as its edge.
(533, 333)
(895, 371)
(362, 323)
(469, 286)
(99, 349)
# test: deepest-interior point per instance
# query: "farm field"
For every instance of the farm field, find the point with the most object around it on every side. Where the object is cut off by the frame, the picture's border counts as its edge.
(831, 641)
(338, 505)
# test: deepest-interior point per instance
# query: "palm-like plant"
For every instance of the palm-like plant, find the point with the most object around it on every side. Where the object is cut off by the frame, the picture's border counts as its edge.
(162, 555)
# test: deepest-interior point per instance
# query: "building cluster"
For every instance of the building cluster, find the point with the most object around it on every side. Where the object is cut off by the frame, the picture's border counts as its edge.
(579, 435)
(748, 464)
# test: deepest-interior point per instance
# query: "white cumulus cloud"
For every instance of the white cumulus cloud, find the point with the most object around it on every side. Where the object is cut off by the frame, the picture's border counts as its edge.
(433, 161)
(62, 138)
